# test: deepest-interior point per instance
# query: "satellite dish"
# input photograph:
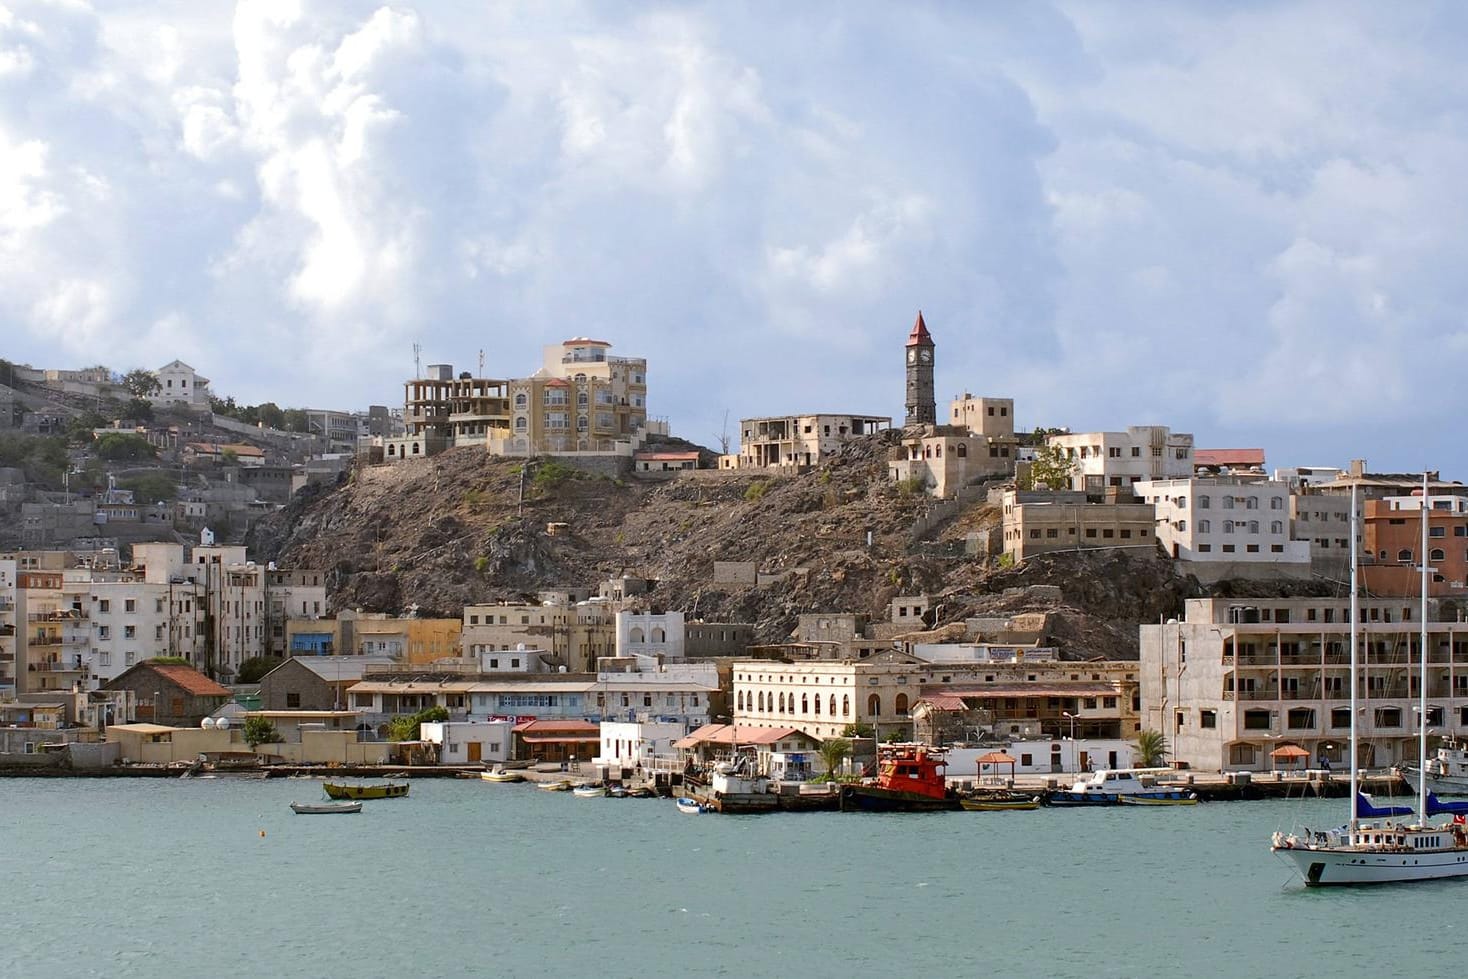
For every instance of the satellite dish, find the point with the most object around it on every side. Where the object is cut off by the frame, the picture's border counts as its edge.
(207, 724)
(222, 723)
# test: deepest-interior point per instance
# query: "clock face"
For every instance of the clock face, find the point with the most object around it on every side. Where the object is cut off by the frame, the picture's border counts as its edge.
(912, 356)
(926, 355)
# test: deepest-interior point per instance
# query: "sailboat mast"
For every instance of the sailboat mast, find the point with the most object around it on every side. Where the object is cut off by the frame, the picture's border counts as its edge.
(1355, 643)
(1422, 674)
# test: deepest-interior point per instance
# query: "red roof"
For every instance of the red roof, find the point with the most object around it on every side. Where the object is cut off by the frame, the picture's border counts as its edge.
(942, 701)
(542, 728)
(557, 382)
(190, 679)
(919, 337)
(735, 734)
(1229, 457)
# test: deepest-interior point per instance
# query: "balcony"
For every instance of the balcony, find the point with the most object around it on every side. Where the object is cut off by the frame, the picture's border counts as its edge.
(49, 667)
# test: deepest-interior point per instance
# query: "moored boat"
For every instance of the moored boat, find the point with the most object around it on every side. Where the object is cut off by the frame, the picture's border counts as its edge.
(618, 791)
(691, 806)
(381, 790)
(909, 779)
(589, 791)
(324, 808)
(1447, 770)
(560, 785)
(1117, 788)
(999, 802)
(501, 775)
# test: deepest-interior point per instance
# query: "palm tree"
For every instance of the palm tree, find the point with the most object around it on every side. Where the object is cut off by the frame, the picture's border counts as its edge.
(1151, 748)
(834, 751)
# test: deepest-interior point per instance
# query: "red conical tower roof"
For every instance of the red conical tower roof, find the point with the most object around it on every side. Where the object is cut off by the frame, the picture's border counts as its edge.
(919, 336)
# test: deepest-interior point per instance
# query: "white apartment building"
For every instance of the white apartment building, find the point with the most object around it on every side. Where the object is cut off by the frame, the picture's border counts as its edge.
(178, 382)
(650, 634)
(1224, 525)
(1141, 453)
(129, 620)
(797, 441)
(1237, 679)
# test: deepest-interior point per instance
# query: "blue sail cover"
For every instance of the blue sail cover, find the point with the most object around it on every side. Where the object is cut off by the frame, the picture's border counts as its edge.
(1436, 807)
(1366, 809)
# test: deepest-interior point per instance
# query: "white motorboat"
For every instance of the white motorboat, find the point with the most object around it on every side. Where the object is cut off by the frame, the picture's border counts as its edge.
(1447, 770)
(1395, 848)
(1125, 786)
(691, 806)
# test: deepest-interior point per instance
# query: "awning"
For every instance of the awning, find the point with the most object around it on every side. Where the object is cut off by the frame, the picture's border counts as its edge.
(561, 738)
(1289, 751)
(996, 758)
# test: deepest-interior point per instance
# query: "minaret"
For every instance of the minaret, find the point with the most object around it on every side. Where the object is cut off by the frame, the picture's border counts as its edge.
(921, 408)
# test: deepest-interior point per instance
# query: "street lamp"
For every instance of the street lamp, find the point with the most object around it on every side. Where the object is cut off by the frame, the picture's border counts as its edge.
(1072, 718)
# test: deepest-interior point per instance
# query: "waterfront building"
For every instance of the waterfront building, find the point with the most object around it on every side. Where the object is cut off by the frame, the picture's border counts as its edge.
(1222, 526)
(469, 742)
(1139, 454)
(1238, 678)
(314, 682)
(715, 741)
(1040, 521)
(627, 745)
(170, 694)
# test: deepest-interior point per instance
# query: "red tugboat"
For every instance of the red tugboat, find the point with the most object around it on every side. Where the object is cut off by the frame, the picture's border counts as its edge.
(909, 779)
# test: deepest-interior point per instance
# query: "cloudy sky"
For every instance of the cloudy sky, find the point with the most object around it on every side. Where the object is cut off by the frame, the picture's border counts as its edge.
(1245, 220)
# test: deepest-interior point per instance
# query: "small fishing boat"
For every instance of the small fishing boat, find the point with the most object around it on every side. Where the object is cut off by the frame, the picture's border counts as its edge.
(691, 806)
(381, 790)
(618, 791)
(562, 785)
(999, 802)
(588, 791)
(1171, 799)
(1121, 787)
(500, 775)
(324, 808)
(1447, 770)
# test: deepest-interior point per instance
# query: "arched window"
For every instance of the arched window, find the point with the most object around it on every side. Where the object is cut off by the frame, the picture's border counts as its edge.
(658, 635)
(782, 703)
(1253, 526)
(1204, 502)
(962, 450)
(1251, 503)
(760, 699)
(1204, 526)
(818, 705)
(1228, 526)
(581, 423)
(1405, 554)
(1276, 527)
(846, 705)
(1436, 554)
(902, 704)
(520, 424)
(1182, 525)
(1228, 502)
(392, 450)
(874, 706)
(635, 635)
(804, 704)
(739, 700)
(581, 398)
(832, 705)
(521, 400)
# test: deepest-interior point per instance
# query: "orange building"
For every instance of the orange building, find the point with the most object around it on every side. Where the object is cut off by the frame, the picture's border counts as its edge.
(1392, 542)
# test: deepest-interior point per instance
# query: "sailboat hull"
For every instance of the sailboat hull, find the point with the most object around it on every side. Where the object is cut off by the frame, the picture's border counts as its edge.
(1345, 868)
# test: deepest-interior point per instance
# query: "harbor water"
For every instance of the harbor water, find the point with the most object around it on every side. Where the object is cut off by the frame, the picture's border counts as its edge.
(144, 877)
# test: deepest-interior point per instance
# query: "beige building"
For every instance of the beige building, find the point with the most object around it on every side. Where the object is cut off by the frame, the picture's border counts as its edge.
(797, 441)
(992, 418)
(1036, 521)
(823, 697)
(180, 383)
(8, 629)
(575, 635)
(1140, 453)
(1238, 678)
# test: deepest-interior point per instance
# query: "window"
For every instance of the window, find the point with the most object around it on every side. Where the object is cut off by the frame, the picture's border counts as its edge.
(293, 700)
(1208, 719)
(1276, 527)
(1300, 718)
(104, 606)
(1228, 502)
(1405, 555)
(874, 705)
(1241, 754)
(1437, 554)
(129, 632)
(1228, 526)
(1388, 717)
(1340, 717)
(1256, 720)
(1182, 525)
(1204, 526)
(521, 400)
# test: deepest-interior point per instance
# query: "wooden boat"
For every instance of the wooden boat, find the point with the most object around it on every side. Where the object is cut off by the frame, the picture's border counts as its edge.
(1172, 799)
(500, 775)
(1000, 802)
(563, 785)
(382, 790)
(691, 806)
(909, 779)
(589, 791)
(324, 808)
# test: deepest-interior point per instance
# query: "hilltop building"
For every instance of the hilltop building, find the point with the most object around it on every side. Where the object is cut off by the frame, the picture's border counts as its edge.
(178, 383)
(1142, 452)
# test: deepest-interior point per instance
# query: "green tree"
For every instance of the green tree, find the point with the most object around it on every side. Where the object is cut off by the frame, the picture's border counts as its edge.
(124, 448)
(406, 728)
(857, 731)
(270, 415)
(1151, 748)
(153, 487)
(79, 429)
(295, 420)
(259, 730)
(141, 383)
(252, 669)
(833, 752)
(138, 409)
(1052, 468)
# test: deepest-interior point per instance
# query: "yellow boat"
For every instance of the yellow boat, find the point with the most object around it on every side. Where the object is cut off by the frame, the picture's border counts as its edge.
(1000, 804)
(1188, 799)
(500, 775)
(564, 785)
(384, 790)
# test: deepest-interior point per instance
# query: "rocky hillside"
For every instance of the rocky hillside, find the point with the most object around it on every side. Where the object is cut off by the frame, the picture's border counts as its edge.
(454, 530)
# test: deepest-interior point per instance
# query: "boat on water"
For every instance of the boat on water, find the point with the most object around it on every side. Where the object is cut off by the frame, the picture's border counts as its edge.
(909, 779)
(691, 806)
(500, 775)
(1120, 787)
(324, 808)
(381, 790)
(560, 785)
(618, 792)
(999, 802)
(589, 791)
(1395, 846)
(1447, 770)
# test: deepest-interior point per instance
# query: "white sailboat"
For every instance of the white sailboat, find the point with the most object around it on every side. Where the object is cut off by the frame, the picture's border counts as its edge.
(1382, 849)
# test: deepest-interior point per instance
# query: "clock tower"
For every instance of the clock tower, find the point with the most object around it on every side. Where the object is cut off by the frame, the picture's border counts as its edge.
(921, 408)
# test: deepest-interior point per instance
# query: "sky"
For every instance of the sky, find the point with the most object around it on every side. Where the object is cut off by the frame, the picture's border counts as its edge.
(1245, 221)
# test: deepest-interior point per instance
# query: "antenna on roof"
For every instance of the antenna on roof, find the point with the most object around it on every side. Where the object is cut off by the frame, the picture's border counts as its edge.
(481, 362)
(417, 361)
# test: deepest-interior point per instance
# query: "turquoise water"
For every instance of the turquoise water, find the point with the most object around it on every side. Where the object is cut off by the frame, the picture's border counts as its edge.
(131, 877)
